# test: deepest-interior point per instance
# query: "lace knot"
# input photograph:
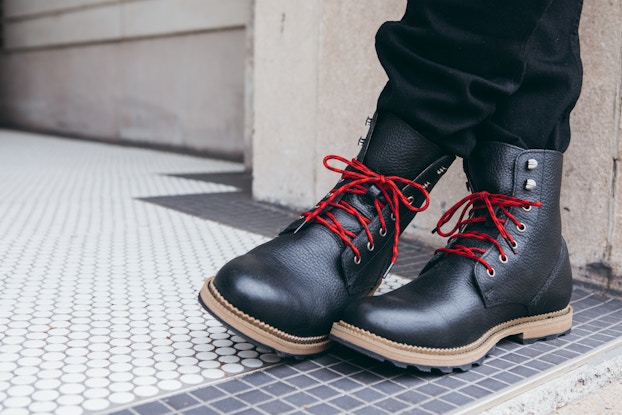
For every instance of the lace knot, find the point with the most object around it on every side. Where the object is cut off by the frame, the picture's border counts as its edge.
(357, 178)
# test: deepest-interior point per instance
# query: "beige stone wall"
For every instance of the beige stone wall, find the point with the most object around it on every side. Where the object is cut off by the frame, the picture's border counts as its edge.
(43, 23)
(592, 196)
(168, 72)
(316, 78)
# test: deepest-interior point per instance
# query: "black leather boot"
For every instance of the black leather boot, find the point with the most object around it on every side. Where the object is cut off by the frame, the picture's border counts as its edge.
(286, 293)
(505, 272)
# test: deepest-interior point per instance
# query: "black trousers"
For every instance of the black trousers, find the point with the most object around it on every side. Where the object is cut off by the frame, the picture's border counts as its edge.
(461, 71)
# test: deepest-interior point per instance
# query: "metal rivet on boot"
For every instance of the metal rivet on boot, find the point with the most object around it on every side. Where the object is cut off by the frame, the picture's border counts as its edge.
(530, 184)
(532, 164)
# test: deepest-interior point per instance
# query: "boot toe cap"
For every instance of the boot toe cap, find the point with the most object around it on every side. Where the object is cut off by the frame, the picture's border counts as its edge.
(397, 322)
(419, 317)
(267, 291)
(249, 285)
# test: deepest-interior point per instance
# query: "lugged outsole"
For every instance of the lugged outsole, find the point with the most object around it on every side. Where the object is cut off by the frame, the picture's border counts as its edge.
(526, 330)
(258, 332)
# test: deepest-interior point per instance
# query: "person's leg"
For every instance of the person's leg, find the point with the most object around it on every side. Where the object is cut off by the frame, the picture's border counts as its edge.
(537, 115)
(506, 269)
(460, 68)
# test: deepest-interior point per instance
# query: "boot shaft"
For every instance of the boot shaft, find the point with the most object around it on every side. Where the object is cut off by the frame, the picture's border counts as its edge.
(539, 259)
(393, 148)
(533, 174)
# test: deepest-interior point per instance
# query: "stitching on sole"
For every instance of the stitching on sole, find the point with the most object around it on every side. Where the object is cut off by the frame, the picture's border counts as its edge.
(444, 357)
(259, 330)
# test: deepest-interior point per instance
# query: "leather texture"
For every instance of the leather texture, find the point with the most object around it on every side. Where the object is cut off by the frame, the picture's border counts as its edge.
(454, 301)
(301, 281)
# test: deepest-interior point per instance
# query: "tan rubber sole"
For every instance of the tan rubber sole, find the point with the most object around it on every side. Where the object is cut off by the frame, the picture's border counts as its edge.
(283, 343)
(527, 329)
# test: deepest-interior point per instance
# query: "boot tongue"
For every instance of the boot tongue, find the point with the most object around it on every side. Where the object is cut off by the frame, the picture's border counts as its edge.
(490, 167)
(393, 148)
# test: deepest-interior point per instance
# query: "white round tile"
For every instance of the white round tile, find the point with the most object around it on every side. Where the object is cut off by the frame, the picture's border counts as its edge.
(252, 363)
(70, 400)
(69, 410)
(17, 402)
(43, 407)
(96, 393)
(121, 398)
(95, 404)
(146, 391)
(169, 385)
(213, 373)
(21, 390)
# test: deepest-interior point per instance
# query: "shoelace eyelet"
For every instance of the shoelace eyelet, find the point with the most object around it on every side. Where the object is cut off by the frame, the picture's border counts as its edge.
(466, 227)
(392, 216)
(357, 180)
(411, 200)
(370, 246)
(491, 274)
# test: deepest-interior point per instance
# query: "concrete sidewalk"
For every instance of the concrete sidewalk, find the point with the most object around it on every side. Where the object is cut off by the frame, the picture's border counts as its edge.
(603, 401)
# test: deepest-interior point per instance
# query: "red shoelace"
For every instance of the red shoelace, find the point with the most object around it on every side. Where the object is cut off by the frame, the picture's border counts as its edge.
(470, 205)
(359, 176)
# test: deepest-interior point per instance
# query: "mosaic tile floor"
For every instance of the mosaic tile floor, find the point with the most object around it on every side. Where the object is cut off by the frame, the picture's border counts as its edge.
(102, 251)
